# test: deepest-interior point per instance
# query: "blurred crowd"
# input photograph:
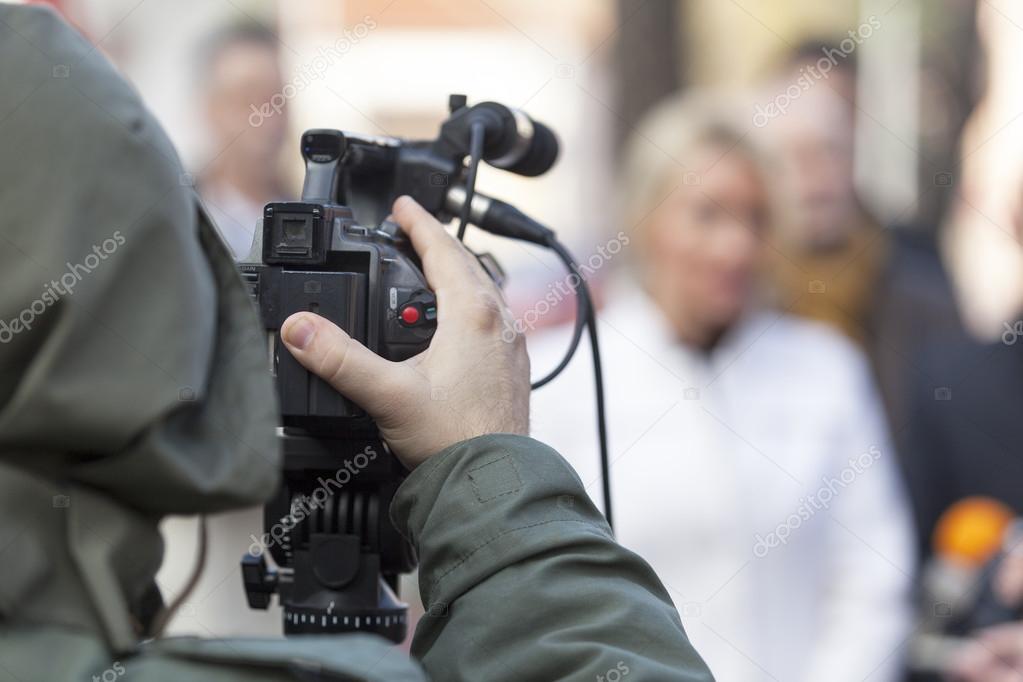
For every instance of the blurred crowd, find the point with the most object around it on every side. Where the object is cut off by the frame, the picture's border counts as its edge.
(815, 456)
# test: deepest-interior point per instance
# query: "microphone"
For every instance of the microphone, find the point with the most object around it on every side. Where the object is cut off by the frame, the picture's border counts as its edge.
(498, 217)
(971, 540)
(529, 148)
(512, 140)
(972, 531)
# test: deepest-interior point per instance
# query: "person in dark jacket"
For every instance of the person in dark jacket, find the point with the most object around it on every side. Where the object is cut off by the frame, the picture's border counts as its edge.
(966, 429)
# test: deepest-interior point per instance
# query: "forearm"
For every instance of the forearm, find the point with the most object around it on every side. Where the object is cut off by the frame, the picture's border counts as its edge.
(522, 577)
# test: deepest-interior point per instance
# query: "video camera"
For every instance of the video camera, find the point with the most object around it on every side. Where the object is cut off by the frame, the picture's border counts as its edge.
(337, 555)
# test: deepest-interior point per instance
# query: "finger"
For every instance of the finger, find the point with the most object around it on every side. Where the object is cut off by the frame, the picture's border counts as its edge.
(466, 294)
(971, 663)
(1009, 580)
(446, 263)
(1004, 641)
(1006, 674)
(352, 369)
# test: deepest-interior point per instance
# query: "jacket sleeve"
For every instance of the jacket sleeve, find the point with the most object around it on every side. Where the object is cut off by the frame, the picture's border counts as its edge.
(522, 578)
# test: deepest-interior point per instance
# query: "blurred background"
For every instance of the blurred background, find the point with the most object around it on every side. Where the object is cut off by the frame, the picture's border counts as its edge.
(592, 68)
(888, 135)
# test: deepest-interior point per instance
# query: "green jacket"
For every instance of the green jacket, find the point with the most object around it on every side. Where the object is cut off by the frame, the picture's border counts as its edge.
(133, 385)
(520, 573)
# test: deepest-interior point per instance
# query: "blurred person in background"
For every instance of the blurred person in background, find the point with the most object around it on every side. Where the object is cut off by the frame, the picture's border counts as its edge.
(240, 85)
(751, 463)
(832, 261)
(965, 428)
(239, 71)
(967, 402)
(963, 449)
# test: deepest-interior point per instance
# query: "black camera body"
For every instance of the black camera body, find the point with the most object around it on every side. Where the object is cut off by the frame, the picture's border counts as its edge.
(315, 257)
(366, 281)
(337, 555)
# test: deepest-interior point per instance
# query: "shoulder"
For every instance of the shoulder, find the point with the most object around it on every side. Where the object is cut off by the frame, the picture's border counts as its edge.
(982, 378)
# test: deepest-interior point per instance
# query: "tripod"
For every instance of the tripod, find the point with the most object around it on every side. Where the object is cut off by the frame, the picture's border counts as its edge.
(337, 555)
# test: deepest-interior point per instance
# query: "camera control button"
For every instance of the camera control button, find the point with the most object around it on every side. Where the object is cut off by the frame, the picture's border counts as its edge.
(410, 314)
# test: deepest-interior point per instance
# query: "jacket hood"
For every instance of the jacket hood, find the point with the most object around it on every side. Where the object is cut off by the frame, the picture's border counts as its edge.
(133, 374)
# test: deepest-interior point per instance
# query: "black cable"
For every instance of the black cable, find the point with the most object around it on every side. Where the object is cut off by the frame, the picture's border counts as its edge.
(589, 318)
(585, 313)
(476, 134)
(577, 334)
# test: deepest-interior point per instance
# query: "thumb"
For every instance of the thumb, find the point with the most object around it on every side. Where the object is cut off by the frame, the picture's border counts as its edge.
(352, 369)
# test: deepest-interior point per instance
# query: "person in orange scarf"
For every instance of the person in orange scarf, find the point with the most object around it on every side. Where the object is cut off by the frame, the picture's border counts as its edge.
(831, 260)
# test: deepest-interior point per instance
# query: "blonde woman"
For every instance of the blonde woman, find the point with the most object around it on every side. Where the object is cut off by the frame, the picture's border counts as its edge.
(751, 463)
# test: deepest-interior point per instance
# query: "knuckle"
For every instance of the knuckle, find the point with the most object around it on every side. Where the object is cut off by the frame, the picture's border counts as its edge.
(333, 364)
(520, 357)
(392, 406)
(519, 344)
(488, 311)
(512, 335)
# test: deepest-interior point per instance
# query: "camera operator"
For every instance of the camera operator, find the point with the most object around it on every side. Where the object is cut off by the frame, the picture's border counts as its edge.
(126, 396)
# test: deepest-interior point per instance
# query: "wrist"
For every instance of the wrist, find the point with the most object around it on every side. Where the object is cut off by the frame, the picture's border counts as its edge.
(499, 493)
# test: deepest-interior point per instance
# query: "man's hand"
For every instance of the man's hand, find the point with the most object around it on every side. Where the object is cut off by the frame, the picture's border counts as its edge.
(996, 653)
(471, 381)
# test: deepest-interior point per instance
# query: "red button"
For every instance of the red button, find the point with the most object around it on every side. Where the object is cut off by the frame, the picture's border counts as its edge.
(410, 314)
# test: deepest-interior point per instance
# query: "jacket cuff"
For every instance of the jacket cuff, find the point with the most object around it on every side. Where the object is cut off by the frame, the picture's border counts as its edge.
(487, 503)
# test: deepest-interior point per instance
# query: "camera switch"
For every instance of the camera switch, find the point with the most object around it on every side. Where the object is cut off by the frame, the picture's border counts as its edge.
(410, 314)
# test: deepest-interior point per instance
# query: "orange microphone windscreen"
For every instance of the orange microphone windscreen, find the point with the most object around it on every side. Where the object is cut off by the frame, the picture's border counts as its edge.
(971, 531)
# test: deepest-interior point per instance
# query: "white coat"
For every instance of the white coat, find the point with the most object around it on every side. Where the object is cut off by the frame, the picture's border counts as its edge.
(758, 480)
